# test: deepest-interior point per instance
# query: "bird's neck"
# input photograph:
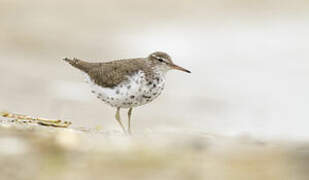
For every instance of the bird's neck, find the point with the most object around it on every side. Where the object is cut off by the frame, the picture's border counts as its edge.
(160, 72)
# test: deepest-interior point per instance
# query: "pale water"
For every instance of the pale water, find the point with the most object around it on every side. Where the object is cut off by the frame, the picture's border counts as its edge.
(249, 63)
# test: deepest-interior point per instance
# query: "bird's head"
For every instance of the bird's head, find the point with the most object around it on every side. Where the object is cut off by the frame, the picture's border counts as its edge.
(163, 62)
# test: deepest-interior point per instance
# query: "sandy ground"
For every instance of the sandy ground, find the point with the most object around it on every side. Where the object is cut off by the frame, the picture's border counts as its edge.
(35, 152)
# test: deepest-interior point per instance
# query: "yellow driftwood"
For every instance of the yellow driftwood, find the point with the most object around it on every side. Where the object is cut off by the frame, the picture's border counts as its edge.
(38, 120)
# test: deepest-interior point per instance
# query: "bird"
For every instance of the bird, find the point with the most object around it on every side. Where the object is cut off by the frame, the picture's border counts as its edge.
(127, 83)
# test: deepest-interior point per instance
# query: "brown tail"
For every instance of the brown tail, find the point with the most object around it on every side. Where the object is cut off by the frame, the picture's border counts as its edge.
(79, 64)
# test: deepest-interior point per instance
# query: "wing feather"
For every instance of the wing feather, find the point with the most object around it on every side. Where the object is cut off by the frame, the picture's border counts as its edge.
(111, 74)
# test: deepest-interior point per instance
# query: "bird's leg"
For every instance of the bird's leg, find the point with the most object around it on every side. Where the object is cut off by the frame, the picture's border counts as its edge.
(119, 120)
(129, 120)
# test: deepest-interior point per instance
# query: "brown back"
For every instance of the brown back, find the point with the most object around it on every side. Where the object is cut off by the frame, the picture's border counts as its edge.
(110, 74)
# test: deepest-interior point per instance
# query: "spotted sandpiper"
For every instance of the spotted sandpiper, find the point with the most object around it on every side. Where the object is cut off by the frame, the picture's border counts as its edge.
(127, 83)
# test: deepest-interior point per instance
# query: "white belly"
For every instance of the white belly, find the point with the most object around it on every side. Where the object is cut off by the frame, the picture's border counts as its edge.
(135, 92)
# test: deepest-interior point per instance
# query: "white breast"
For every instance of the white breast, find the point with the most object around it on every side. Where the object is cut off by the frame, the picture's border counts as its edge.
(134, 92)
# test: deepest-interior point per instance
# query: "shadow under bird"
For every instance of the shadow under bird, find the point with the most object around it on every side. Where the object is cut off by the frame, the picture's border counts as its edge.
(127, 83)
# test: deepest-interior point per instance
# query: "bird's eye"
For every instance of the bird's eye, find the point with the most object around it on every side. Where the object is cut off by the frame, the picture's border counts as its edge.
(161, 60)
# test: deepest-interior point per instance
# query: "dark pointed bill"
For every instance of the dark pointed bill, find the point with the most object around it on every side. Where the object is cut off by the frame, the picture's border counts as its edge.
(174, 66)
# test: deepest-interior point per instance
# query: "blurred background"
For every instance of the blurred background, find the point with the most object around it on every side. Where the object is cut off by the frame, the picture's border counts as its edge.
(249, 61)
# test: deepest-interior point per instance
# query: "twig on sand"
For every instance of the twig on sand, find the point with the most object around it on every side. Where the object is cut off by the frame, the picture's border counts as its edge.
(38, 120)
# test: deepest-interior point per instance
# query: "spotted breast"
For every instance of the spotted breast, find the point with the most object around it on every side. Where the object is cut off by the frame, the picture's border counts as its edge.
(137, 90)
